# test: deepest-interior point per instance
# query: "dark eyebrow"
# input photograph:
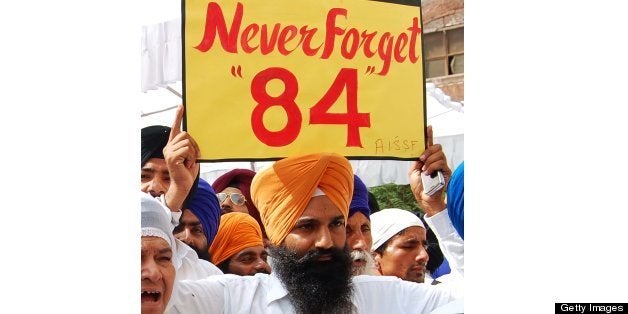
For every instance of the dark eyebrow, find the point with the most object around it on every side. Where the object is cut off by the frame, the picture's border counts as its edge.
(412, 241)
(165, 250)
(305, 220)
(341, 217)
(246, 254)
(151, 170)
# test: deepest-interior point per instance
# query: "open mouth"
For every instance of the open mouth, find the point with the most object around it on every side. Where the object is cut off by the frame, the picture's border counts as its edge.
(151, 296)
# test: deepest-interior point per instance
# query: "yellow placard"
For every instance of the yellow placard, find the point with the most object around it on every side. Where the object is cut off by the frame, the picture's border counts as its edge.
(269, 79)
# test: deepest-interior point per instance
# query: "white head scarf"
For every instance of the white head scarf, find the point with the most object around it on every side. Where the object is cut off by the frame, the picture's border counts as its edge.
(388, 222)
(156, 222)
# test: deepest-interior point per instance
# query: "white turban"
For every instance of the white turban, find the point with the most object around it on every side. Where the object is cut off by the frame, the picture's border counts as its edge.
(388, 222)
(156, 220)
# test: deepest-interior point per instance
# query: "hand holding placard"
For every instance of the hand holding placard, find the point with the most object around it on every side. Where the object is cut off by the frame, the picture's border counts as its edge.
(432, 159)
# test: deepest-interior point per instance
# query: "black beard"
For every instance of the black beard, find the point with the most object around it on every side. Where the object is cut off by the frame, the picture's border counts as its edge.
(315, 287)
(202, 254)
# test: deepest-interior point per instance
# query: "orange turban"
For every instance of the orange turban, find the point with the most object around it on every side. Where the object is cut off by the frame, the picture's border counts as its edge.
(236, 232)
(282, 192)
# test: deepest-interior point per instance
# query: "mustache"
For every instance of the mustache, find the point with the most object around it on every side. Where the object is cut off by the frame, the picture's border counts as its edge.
(359, 255)
(263, 271)
(368, 268)
(314, 255)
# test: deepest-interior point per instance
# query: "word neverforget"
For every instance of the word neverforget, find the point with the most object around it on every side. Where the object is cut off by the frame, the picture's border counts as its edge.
(252, 37)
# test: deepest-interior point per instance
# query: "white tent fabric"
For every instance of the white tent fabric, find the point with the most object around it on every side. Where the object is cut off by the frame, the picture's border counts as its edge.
(161, 54)
(447, 121)
(161, 67)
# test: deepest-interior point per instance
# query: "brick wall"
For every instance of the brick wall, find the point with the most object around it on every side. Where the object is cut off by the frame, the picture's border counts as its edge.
(439, 14)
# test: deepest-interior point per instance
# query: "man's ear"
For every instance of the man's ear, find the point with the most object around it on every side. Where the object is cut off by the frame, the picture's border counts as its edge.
(377, 257)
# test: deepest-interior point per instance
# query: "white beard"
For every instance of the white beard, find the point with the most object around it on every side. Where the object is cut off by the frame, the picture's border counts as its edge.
(368, 268)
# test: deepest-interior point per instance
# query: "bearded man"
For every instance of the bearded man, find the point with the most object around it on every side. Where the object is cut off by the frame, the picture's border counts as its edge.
(304, 204)
(359, 238)
(199, 222)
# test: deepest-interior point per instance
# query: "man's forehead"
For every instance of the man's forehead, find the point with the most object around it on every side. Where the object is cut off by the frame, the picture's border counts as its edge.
(156, 164)
(412, 233)
(189, 217)
(358, 218)
(253, 250)
(231, 189)
(156, 244)
(320, 207)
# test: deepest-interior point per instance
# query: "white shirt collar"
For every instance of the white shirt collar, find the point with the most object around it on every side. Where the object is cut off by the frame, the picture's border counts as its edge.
(277, 290)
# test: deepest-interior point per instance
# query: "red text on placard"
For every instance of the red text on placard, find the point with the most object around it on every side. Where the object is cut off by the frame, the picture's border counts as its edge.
(319, 113)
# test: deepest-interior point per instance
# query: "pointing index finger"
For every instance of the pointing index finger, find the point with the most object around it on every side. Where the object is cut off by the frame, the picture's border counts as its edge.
(176, 126)
(430, 138)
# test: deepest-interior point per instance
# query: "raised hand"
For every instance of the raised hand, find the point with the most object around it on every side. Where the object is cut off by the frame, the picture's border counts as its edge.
(432, 159)
(180, 154)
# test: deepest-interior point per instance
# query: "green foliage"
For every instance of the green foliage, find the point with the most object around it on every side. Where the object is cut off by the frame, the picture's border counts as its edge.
(395, 196)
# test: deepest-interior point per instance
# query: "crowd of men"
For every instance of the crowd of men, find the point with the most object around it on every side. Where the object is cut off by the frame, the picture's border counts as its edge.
(301, 236)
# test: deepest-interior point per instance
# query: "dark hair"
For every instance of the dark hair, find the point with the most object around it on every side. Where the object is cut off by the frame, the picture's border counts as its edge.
(224, 266)
(436, 256)
(381, 248)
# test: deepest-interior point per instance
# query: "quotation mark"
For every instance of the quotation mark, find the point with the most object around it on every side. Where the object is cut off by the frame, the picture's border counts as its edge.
(235, 72)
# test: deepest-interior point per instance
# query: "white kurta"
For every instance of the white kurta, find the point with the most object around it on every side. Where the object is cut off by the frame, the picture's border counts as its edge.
(188, 265)
(450, 243)
(265, 294)
(192, 267)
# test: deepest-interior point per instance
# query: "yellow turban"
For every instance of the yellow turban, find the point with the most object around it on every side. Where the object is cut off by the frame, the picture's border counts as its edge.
(282, 192)
(236, 232)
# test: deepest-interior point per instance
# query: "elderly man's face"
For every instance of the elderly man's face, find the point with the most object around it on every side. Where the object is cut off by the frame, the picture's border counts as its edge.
(157, 274)
(249, 261)
(190, 231)
(227, 205)
(405, 256)
(359, 240)
(155, 177)
(321, 226)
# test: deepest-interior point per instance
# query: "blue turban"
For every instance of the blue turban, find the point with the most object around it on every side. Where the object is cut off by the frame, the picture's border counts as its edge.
(455, 199)
(204, 204)
(360, 199)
